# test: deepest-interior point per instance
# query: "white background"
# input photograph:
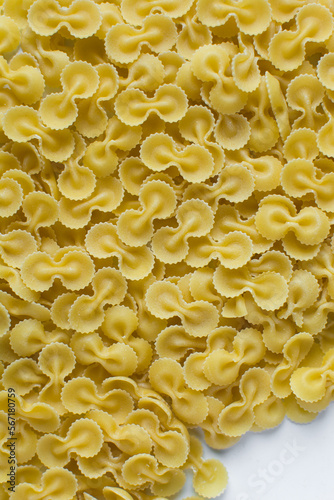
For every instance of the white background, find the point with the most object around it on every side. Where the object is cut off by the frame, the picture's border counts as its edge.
(291, 462)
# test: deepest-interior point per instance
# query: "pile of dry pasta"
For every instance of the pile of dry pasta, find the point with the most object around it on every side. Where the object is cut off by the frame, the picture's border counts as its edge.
(166, 239)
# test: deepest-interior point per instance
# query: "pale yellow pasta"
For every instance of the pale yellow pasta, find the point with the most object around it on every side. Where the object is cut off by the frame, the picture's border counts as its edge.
(26, 82)
(75, 269)
(235, 184)
(194, 162)
(77, 213)
(80, 394)
(277, 215)
(124, 42)
(81, 18)
(164, 300)
(101, 156)
(166, 377)
(158, 201)
(197, 126)
(22, 124)
(222, 367)
(133, 107)
(10, 34)
(211, 63)
(251, 17)
(51, 483)
(87, 312)
(195, 219)
(238, 417)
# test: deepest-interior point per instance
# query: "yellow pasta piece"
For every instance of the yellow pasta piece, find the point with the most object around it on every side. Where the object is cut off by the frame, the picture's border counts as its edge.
(194, 162)
(144, 469)
(211, 63)
(315, 317)
(52, 483)
(251, 17)
(269, 414)
(164, 300)
(235, 184)
(193, 34)
(222, 367)
(56, 361)
(111, 15)
(324, 70)
(284, 10)
(212, 434)
(210, 476)
(322, 266)
(76, 214)
(195, 218)
(158, 201)
(309, 383)
(197, 126)
(23, 375)
(186, 79)
(303, 292)
(301, 176)
(40, 416)
(29, 336)
(84, 438)
(269, 289)
(304, 94)
(10, 34)
(130, 438)
(228, 219)
(124, 42)
(101, 156)
(21, 124)
(232, 132)
(79, 81)
(15, 282)
(232, 250)
(135, 12)
(5, 320)
(301, 143)
(245, 70)
(174, 342)
(74, 267)
(120, 324)
(277, 215)
(238, 417)
(81, 18)
(80, 395)
(87, 312)
(133, 107)
(76, 181)
(170, 447)
(26, 82)
(166, 377)
(314, 23)
(117, 359)
(324, 139)
(11, 197)
(278, 105)
(51, 62)
(194, 372)
(102, 241)
(294, 352)
(92, 118)
(264, 130)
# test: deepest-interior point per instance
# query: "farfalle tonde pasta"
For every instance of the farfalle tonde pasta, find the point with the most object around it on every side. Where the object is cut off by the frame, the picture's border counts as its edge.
(166, 237)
